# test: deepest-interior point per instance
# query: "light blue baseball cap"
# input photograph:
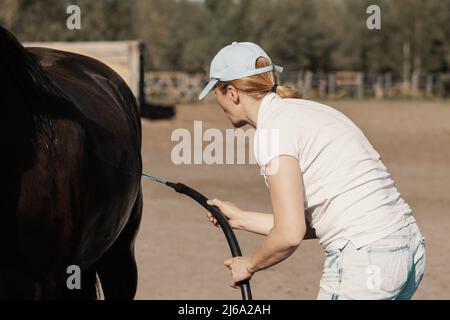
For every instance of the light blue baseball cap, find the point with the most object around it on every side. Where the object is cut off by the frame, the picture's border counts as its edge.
(236, 61)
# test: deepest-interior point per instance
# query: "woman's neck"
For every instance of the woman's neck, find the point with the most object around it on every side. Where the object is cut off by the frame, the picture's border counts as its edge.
(252, 107)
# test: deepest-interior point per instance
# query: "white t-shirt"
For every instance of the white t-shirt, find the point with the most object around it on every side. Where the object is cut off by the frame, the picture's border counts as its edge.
(349, 194)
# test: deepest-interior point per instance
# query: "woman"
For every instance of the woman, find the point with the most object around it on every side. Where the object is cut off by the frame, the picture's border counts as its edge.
(326, 181)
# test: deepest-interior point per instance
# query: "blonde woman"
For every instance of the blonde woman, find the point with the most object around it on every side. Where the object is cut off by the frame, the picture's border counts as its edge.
(326, 181)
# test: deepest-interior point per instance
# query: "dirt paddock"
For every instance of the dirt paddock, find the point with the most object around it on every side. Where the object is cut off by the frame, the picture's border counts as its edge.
(180, 255)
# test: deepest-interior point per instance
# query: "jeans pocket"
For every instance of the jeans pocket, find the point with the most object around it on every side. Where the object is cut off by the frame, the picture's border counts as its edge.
(332, 275)
(419, 261)
(388, 266)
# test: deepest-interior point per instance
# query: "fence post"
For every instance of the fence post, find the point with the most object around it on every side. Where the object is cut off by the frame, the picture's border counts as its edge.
(406, 86)
(378, 88)
(322, 85)
(387, 84)
(300, 82)
(360, 85)
(141, 97)
(415, 83)
(331, 85)
(308, 83)
(429, 86)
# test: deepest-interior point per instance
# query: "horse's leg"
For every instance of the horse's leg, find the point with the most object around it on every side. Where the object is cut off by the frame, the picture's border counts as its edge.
(117, 268)
(88, 290)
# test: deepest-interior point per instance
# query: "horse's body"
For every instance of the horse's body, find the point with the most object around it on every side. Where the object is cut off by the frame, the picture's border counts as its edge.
(70, 142)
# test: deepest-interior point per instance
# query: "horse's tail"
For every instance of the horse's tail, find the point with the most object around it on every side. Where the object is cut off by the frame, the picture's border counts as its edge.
(21, 71)
(28, 93)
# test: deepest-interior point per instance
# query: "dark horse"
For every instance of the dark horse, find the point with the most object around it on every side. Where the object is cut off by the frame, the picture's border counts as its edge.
(70, 168)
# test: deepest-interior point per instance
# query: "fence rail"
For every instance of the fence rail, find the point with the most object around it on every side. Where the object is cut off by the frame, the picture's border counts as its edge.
(176, 87)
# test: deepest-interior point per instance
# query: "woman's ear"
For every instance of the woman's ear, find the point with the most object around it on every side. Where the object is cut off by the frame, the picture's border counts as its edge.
(233, 94)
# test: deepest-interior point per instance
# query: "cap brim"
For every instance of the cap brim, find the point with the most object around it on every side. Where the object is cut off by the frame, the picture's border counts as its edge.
(207, 89)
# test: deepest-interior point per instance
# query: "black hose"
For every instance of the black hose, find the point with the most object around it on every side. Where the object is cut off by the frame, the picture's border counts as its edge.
(226, 228)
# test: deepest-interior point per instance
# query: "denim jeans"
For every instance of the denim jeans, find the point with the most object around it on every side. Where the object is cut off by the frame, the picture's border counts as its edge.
(387, 269)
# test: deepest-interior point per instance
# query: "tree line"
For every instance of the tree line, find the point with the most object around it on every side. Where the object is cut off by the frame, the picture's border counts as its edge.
(315, 35)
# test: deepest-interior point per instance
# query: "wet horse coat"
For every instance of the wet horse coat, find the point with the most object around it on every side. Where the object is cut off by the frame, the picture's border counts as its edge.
(70, 141)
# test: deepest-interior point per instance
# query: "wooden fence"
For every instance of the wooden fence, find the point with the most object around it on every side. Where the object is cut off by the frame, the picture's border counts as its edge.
(170, 87)
(175, 87)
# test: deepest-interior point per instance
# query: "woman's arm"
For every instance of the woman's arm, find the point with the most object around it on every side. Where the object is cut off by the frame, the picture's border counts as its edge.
(289, 227)
(285, 229)
(256, 222)
(262, 223)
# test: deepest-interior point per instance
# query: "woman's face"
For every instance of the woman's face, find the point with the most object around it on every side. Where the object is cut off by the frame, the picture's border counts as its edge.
(229, 103)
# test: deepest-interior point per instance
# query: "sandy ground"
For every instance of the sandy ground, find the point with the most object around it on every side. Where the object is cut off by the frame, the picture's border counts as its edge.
(180, 255)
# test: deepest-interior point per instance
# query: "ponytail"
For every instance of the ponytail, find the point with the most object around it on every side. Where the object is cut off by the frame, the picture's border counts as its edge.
(286, 92)
(261, 84)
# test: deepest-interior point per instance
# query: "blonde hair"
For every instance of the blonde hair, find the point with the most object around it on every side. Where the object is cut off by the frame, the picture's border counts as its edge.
(259, 85)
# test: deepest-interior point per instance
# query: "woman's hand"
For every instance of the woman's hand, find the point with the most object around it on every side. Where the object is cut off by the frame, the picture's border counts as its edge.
(231, 211)
(239, 267)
